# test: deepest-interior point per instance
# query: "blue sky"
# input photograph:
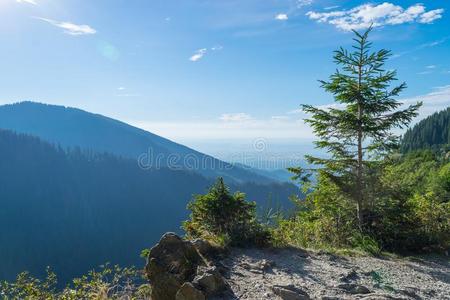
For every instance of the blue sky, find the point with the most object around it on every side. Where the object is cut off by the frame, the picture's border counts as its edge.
(199, 71)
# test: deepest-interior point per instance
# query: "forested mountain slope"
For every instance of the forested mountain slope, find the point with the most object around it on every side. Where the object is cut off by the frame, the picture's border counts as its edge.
(75, 210)
(430, 133)
(71, 127)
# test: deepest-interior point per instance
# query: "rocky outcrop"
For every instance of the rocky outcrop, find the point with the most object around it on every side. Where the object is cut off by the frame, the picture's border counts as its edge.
(183, 270)
(178, 269)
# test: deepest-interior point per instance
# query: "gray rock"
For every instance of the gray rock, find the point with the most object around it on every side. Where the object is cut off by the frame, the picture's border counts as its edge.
(382, 297)
(353, 288)
(265, 264)
(189, 292)
(289, 292)
(211, 281)
(410, 292)
(203, 247)
(170, 263)
(350, 276)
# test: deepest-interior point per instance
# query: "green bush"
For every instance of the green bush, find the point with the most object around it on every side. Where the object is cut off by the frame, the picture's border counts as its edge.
(110, 282)
(224, 218)
(324, 219)
(407, 209)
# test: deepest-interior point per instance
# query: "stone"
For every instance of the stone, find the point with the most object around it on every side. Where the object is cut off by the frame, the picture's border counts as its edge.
(353, 288)
(203, 247)
(350, 276)
(170, 263)
(265, 264)
(188, 292)
(410, 292)
(289, 292)
(382, 297)
(211, 281)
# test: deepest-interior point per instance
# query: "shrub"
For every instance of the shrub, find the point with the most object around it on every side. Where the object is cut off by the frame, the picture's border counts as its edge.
(324, 219)
(107, 283)
(224, 218)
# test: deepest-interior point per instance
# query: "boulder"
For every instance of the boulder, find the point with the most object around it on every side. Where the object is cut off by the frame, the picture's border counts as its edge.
(171, 263)
(211, 281)
(204, 247)
(353, 288)
(188, 292)
(289, 292)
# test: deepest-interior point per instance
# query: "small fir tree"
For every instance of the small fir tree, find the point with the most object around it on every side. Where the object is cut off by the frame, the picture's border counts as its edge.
(357, 132)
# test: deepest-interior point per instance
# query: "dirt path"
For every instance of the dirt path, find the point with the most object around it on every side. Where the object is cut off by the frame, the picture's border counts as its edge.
(296, 274)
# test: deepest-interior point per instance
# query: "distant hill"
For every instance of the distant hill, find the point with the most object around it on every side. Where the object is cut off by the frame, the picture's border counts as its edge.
(71, 127)
(74, 210)
(430, 133)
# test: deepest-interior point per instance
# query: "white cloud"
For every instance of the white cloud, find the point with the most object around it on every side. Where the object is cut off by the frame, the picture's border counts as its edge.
(281, 17)
(121, 88)
(434, 101)
(431, 67)
(280, 118)
(363, 16)
(280, 127)
(331, 7)
(235, 117)
(217, 48)
(293, 130)
(27, 1)
(198, 54)
(301, 3)
(70, 28)
(431, 16)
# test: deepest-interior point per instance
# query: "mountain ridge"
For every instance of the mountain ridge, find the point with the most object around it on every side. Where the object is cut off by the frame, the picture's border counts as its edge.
(75, 209)
(73, 127)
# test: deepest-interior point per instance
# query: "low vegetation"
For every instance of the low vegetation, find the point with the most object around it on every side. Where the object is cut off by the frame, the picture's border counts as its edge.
(224, 218)
(109, 282)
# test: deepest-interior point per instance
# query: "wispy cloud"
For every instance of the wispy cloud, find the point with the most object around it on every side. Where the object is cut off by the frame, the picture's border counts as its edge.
(281, 17)
(423, 46)
(431, 16)
(331, 7)
(70, 28)
(235, 117)
(284, 126)
(437, 100)
(200, 53)
(33, 2)
(301, 3)
(365, 15)
(217, 48)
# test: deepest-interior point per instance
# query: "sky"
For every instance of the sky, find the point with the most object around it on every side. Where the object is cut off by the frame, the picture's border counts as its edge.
(212, 74)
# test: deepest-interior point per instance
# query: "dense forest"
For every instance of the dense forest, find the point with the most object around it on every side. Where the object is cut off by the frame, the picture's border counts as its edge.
(72, 127)
(431, 133)
(74, 210)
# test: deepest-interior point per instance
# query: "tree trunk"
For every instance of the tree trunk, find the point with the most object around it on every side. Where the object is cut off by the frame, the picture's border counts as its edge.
(359, 175)
(359, 170)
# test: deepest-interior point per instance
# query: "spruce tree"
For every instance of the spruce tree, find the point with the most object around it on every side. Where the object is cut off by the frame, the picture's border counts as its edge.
(357, 131)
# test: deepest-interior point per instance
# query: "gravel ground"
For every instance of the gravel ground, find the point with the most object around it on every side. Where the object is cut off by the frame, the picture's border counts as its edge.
(298, 274)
